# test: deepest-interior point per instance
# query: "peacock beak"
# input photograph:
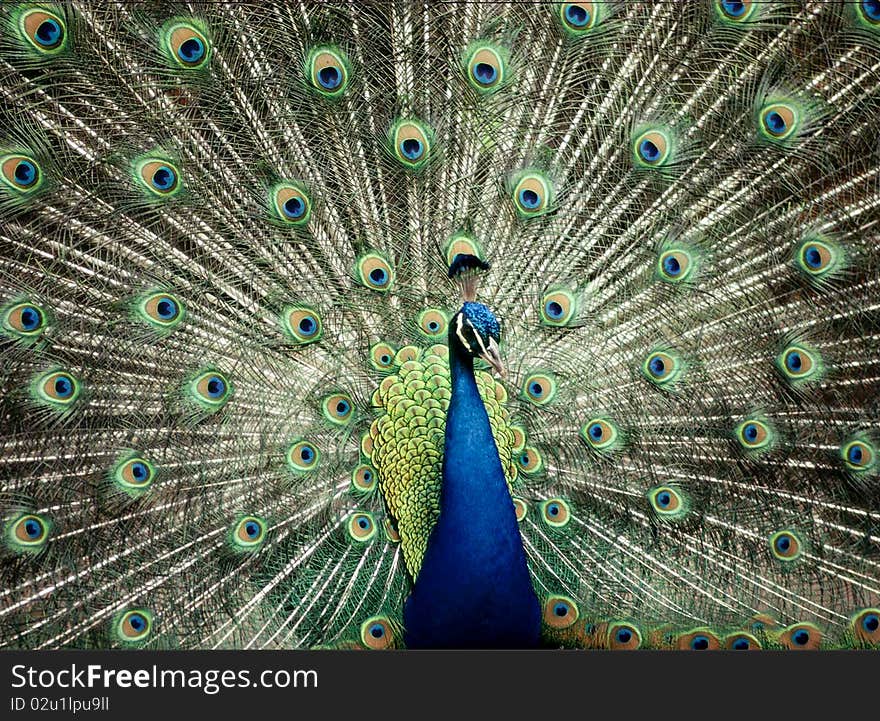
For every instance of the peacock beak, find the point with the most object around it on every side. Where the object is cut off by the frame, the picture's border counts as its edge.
(492, 356)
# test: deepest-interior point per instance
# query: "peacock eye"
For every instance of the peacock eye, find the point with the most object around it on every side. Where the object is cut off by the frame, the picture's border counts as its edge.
(866, 626)
(328, 71)
(461, 244)
(485, 68)
(801, 637)
(382, 356)
(578, 17)
(665, 500)
(521, 509)
(870, 11)
(411, 142)
(20, 173)
(785, 546)
(699, 642)
(555, 512)
(301, 324)
(600, 433)
(557, 308)
(560, 612)
(661, 368)
(361, 527)
(158, 176)
(187, 45)
(302, 456)
(651, 148)
(532, 194)
(815, 257)
(741, 642)
(162, 310)
(337, 408)
(44, 30)
(135, 473)
(377, 633)
(134, 625)
(363, 478)
(28, 533)
(798, 363)
(374, 272)
(778, 120)
(248, 533)
(753, 434)
(539, 388)
(58, 388)
(858, 455)
(738, 10)
(624, 637)
(432, 323)
(25, 320)
(529, 461)
(210, 389)
(291, 204)
(674, 266)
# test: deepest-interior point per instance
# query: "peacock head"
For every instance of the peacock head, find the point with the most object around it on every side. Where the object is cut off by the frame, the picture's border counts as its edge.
(474, 330)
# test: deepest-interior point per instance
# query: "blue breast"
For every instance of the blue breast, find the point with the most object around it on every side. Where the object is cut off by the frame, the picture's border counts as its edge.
(474, 588)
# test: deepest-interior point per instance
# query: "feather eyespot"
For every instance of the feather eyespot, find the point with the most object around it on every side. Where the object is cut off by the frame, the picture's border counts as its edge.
(377, 633)
(364, 478)
(338, 408)
(382, 356)
(779, 120)
(521, 509)
(187, 45)
(411, 142)
(754, 434)
(578, 17)
(361, 527)
(661, 368)
(159, 176)
(20, 173)
(865, 625)
(161, 310)
(798, 364)
(600, 433)
(858, 455)
(291, 204)
(801, 637)
(485, 68)
(532, 194)
(462, 244)
(28, 533)
(248, 533)
(674, 266)
(667, 502)
(302, 324)
(57, 388)
(432, 323)
(539, 388)
(741, 642)
(560, 612)
(210, 389)
(529, 461)
(624, 637)
(700, 640)
(374, 272)
(328, 71)
(302, 456)
(652, 148)
(736, 10)
(869, 10)
(134, 626)
(390, 529)
(555, 512)
(558, 308)
(785, 546)
(24, 320)
(134, 474)
(44, 30)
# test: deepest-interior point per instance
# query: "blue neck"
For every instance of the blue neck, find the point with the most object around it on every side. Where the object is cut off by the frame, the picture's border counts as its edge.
(474, 588)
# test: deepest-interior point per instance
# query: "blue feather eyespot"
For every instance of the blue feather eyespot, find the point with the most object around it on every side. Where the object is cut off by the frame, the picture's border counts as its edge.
(869, 10)
(364, 478)
(462, 244)
(432, 323)
(662, 368)
(652, 148)
(382, 356)
(186, 45)
(57, 389)
(338, 408)
(133, 475)
(785, 546)
(755, 435)
(163, 311)
(558, 308)
(248, 533)
(778, 121)
(485, 68)
(623, 637)
(532, 194)
(302, 456)
(698, 640)
(578, 18)
(328, 71)
(742, 642)
(361, 526)
(735, 10)
(27, 533)
(529, 461)
(210, 390)
(799, 364)
(301, 324)
(290, 204)
(539, 388)
(391, 534)
(859, 455)
(24, 320)
(560, 612)
(134, 626)
(674, 265)
(521, 508)
(411, 141)
(374, 272)
(20, 173)
(44, 30)
(555, 512)
(601, 433)
(158, 176)
(377, 633)
(865, 626)
(668, 503)
(801, 637)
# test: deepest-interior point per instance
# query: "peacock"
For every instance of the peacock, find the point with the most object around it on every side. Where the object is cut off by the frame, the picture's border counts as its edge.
(403, 324)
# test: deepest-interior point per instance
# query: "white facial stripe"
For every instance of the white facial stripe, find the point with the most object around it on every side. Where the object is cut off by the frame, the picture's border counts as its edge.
(458, 332)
